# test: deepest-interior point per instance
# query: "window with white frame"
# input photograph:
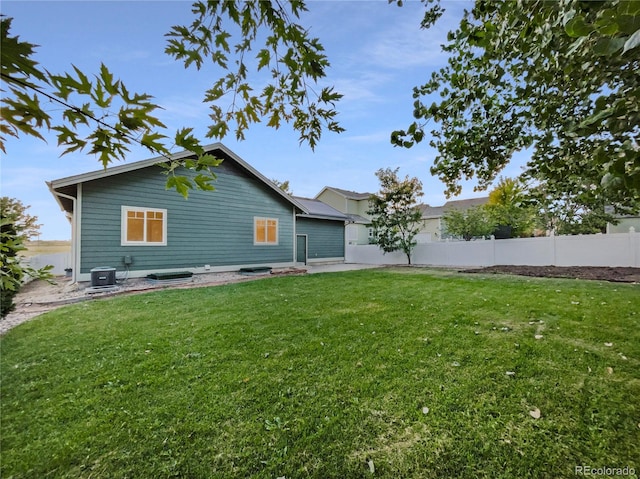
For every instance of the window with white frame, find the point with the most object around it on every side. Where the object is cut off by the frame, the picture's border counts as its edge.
(265, 231)
(143, 226)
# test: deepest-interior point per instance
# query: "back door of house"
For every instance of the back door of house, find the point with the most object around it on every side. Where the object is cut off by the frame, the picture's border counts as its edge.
(301, 249)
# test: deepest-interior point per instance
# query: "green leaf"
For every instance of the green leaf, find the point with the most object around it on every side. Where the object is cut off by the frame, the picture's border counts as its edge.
(151, 141)
(210, 161)
(130, 119)
(629, 7)
(70, 138)
(264, 58)
(99, 97)
(181, 184)
(203, 182)
(632, 42)
(608, 46)
(219, 130)
(607, 23)
(107, 78)
(274, 121)
(185, 139)
(221, 41)
(577, 27)
(15, 56)
(83, 85)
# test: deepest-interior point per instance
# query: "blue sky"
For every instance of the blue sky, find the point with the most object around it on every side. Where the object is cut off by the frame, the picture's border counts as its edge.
(377, 53)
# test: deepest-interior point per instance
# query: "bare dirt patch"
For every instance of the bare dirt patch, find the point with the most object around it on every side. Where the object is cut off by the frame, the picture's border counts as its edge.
(614, 274)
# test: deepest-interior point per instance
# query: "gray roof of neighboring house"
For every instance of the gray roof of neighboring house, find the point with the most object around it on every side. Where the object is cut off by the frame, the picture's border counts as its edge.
(438, 211)
(431, 211)
(319, 210)
(611, 211)
(352, 195)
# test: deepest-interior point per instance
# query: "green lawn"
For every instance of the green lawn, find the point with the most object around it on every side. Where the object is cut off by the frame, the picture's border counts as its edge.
(329, 376)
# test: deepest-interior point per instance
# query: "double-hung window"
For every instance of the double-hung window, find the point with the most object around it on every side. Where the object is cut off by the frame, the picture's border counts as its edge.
(265, 231)
(143, 226)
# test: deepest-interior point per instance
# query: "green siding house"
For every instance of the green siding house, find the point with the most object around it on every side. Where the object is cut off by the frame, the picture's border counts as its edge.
(123, 217)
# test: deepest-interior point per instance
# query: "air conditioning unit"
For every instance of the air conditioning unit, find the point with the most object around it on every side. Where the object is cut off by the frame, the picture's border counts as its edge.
(103, 276)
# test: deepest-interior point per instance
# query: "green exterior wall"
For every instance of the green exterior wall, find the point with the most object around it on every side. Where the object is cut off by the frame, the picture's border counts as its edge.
(325, 238)
(210, 228)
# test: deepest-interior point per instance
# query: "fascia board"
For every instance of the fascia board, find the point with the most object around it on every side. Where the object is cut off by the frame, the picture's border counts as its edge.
(119, 169)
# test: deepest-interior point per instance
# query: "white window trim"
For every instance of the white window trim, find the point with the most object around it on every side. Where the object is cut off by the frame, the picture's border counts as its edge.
(266, 243)
(123, 227)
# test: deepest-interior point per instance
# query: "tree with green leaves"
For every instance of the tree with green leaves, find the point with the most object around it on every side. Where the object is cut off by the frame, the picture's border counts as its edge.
(283, 185)
(394, 209)
(468, 224)
(509, 206)
(575, 212)
(16, 211)
(559, 78)
(16, 225)
(247, 41)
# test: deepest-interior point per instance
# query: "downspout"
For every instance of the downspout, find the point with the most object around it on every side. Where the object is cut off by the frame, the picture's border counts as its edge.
(295, 237)
(74, 233)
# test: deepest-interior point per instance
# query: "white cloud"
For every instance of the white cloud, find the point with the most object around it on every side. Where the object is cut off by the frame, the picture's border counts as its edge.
(187, 107)
(403, 46)
(19, 180)
(373, 137)
(363, 87)
(396, 42)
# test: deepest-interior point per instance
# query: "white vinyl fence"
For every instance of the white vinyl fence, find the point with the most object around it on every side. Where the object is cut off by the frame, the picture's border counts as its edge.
(620, 249)
(59, 261)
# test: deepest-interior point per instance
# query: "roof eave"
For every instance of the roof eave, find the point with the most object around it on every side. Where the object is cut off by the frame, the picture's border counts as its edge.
(125, 168)
(119, 169)
(354, 196)
(322, 217)
(55, 195)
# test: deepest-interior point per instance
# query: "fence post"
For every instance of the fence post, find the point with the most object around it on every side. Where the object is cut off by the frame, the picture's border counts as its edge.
(633, 249)
(493, 250)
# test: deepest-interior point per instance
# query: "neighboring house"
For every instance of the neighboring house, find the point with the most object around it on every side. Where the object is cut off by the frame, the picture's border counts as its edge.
(624, 224)
(123, 217)
(433, 228)
(355, 206)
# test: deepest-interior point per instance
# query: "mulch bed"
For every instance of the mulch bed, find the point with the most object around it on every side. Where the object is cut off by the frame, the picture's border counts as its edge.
(614, 274)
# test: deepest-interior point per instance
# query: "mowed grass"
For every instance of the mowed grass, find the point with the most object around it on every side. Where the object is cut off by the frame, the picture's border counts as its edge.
(378, 373)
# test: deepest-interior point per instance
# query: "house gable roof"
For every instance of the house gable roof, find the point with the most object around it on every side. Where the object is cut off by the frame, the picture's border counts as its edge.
(431, 211)
(460, 205)
(465, 204)
(351, 195)
(221, 149)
